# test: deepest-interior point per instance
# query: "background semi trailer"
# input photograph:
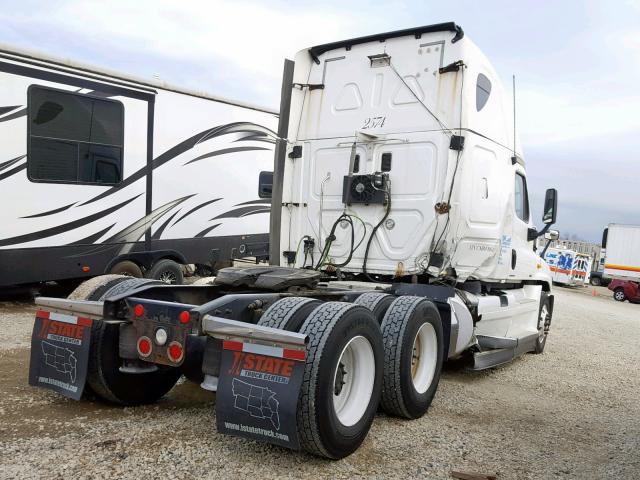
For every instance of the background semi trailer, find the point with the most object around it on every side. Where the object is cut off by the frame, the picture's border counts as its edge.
(101, 172)
(622, 255)
(401, 237)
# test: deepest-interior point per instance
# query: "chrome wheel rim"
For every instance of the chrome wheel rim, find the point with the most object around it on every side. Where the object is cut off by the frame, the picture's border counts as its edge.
(168, 277)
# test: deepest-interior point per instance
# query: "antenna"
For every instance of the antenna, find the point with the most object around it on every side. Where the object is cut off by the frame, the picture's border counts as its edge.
(514, 116)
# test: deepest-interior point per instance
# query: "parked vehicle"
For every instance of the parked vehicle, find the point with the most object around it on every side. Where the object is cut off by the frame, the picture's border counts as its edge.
(401, 236)
(568, 267)
(625, 290)
(622, 255)
(105, 173)
(598, 279)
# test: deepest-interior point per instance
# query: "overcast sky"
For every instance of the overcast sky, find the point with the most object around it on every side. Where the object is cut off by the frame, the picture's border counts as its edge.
(577, 65)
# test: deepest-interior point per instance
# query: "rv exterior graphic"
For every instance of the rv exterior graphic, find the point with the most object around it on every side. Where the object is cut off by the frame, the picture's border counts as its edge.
(105, 173)
(401, 237)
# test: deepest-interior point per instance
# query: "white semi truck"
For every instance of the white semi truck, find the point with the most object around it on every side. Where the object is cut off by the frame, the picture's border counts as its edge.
(401, 236)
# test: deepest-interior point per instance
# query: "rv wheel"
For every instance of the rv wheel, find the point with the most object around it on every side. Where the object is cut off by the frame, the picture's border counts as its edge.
(378, 303)
(166, 271)
(413, 356)
(342, 379)
(128, 268)
(288, 313)
(104, 377)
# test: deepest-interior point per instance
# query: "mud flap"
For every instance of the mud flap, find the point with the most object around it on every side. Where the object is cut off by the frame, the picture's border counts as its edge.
(60, 353)
(258, 389)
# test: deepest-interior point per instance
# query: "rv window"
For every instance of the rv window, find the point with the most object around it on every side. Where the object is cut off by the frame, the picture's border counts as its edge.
(483, 90)
(521, 198)
(74, 138)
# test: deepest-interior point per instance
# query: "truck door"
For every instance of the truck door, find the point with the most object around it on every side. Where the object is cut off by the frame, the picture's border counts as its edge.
(522, 256)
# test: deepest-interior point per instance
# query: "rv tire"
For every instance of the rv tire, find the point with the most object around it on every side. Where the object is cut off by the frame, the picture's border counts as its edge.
(128, 268)
(166, 271)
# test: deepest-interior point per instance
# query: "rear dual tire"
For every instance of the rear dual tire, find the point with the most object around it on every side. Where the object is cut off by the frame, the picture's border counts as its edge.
(342, 379)
(353, 362)
(413, 356)
(104, 378)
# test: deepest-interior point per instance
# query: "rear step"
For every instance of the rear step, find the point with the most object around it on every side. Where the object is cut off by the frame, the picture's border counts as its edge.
(501, 350)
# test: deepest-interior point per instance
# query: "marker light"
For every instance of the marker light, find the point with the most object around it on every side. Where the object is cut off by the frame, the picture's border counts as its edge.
(138, 310)
(184, 317)
(175, 352)
(161, 336)
(144, 346)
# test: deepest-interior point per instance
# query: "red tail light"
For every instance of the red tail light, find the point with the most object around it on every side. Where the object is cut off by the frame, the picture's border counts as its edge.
(184, 317)
(138, 310)
(144, 346)
(175, 352)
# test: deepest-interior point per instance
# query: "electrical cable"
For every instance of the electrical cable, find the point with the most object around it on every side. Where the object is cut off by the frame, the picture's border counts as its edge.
(331, 238)
(435, 246)
(372, 236)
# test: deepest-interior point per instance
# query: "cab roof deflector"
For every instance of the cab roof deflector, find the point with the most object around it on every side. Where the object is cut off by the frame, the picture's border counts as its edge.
(318, 50)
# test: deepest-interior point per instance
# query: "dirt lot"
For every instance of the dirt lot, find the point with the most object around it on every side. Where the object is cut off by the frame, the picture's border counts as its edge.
(570, 413)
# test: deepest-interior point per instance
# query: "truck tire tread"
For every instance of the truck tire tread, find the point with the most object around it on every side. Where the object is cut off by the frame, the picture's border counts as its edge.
(288, 313)
(393, 327)
(378, 303)
(319, 326)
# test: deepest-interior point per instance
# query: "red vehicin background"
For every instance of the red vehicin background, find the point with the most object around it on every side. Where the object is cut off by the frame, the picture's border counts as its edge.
(625, 290)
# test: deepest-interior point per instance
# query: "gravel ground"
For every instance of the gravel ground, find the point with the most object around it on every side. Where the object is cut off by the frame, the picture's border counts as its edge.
(572, 413)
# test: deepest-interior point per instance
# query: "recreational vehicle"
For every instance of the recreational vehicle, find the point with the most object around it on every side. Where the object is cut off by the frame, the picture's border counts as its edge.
(105, 173)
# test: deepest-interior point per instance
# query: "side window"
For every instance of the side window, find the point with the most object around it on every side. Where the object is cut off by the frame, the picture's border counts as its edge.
(483, 90)
(521, 198)
(73, 138)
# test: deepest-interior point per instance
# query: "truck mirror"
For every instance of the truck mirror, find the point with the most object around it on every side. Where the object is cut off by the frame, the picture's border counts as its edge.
(550, 207)
(552, 235)
(265, 184)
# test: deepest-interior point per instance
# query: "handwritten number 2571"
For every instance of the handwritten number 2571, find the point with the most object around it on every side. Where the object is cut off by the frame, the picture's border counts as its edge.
(373, 122)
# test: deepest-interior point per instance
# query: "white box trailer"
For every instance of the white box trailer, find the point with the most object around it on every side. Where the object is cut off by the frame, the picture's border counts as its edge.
(101, 172)
(622, 257)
